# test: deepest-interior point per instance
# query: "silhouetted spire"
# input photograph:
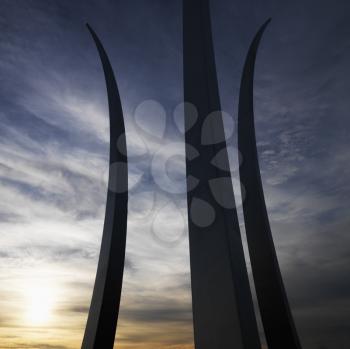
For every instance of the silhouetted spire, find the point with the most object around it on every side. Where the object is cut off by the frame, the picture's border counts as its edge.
(222, 305)
(275, 312)
(103, 315)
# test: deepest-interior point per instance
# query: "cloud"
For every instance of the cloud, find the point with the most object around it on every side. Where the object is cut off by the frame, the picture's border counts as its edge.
(54, 156)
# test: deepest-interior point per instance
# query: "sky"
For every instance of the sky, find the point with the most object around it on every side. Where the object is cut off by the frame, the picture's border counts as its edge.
(54, 145)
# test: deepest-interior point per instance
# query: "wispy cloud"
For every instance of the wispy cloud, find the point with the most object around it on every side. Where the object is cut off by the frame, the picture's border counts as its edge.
(54, 161)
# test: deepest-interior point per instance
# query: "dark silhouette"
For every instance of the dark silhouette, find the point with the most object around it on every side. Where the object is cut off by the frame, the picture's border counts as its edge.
(103, 315)
(223, 311)
(222, 304)
(275, 312)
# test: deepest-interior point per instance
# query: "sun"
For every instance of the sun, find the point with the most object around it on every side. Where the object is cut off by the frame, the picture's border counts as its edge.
(40, 302)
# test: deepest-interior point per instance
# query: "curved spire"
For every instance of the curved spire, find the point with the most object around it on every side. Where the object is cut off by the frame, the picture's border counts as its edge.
(275, 312)
(103, 315)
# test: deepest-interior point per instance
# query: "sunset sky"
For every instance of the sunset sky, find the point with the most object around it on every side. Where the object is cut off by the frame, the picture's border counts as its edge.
(54, 157)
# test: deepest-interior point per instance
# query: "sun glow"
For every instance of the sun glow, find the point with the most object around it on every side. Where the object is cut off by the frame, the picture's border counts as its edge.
(40, 303)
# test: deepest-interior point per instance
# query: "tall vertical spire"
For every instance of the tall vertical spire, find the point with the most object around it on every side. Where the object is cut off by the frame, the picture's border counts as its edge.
(103, 315)
(222, 305)
(275, 312)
